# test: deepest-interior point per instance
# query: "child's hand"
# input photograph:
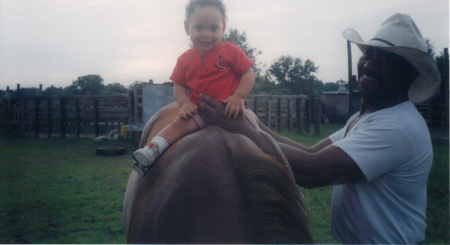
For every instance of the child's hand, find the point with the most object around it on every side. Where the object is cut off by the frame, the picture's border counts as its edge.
(188, 109)
(235, 104)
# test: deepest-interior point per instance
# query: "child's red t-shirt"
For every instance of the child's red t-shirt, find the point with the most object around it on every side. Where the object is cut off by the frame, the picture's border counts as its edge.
(215, 73)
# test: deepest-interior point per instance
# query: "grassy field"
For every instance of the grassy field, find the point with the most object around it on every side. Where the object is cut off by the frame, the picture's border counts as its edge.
(60, 191)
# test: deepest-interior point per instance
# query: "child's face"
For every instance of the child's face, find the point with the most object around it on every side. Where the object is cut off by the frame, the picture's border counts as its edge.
(205, 27)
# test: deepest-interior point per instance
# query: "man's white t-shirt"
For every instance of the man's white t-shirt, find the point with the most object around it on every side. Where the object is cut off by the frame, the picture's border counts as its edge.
(393, 149)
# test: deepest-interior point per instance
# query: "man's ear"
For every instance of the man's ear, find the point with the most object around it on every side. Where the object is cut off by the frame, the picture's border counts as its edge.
(186, 27)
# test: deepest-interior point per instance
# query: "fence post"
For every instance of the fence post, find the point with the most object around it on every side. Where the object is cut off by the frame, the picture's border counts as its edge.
(307, 115)
(96, 127)
(350, 78)
(130, 106)
(62, 115)
(268, 113)
(49, 117)
(290, 114)
(25, 117)
(300, 114)
(312, 100)
(317, 115)
(6, 121)
(279, 113)
(445, 82)
(137, 89)
(2, 116)
(77, 117)
(36, 117)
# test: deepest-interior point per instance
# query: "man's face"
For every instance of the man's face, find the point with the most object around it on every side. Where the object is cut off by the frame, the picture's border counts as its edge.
(372, 73)
(383, 74)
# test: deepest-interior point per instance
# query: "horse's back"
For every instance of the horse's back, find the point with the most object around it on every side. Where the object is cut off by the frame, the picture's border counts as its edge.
(212, 187)
(191, 195)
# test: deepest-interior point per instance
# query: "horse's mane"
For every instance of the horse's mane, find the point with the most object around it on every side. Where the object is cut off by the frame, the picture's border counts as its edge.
(274, 202)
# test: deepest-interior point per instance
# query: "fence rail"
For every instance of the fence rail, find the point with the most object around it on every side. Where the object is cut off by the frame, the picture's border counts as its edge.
(292, 112)
(75, 115)
(48, 116)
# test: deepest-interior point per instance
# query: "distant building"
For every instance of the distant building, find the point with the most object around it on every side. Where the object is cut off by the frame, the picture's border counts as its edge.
(336, 104)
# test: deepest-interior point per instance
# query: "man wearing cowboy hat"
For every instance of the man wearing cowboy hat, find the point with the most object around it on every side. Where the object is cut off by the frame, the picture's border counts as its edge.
(379, 162)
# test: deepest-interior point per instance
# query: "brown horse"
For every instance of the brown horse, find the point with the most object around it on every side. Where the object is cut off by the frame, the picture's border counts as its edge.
(212, 187)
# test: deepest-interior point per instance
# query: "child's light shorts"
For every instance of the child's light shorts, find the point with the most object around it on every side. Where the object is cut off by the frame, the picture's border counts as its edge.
(200, 122)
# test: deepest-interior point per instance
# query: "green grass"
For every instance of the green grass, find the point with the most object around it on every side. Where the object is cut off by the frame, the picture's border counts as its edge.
(60, 191)
(317, 201)
(438, 195)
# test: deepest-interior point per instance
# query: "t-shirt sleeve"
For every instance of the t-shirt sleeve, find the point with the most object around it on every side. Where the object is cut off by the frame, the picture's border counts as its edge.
(377, 149)
(337, 135)
(179, 74)
(241, 62)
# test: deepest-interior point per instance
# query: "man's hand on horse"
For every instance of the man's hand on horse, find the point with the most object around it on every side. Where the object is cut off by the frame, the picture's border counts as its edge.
(213, 113)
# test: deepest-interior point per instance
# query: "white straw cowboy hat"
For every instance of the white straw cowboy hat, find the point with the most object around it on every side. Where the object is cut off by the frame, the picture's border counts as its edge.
(400, 35)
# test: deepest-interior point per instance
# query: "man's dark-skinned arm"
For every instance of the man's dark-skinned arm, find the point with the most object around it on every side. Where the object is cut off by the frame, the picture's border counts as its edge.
(321, 165)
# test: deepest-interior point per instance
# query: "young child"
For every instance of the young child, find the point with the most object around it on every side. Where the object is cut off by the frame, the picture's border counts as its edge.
(220, 70)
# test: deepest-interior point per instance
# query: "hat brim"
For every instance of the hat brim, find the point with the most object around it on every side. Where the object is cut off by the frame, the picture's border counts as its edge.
(429, 79)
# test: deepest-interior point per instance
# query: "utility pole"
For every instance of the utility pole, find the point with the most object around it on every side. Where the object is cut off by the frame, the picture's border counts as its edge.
(350, 79)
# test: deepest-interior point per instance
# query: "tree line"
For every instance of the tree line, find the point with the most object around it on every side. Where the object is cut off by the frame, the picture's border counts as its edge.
(84, 85)
(291, 75)
(287, 75)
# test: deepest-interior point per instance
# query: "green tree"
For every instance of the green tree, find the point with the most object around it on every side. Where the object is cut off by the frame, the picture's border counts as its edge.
(88, 85)
(442, 65)
(57, 91)
(430, 46)
(265, 86)
(2, 94)
(233, 36)
(67, 91)
(240, 39)
(292, 74)
(115, 89)
(331, 86)
(326, 87)
(29, 92)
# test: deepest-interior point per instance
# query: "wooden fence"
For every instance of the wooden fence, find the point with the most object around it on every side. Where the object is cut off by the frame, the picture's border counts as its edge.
(291, 112)
(74, 115)
(42, 116)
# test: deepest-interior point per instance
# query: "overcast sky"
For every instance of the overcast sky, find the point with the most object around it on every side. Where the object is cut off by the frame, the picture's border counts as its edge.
(52, 42)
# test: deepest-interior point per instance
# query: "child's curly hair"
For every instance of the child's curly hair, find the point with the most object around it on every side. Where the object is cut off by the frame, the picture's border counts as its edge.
(193, 4)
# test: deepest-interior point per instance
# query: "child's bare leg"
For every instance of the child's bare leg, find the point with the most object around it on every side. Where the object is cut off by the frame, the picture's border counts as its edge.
(177, 129)
(168, 135)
